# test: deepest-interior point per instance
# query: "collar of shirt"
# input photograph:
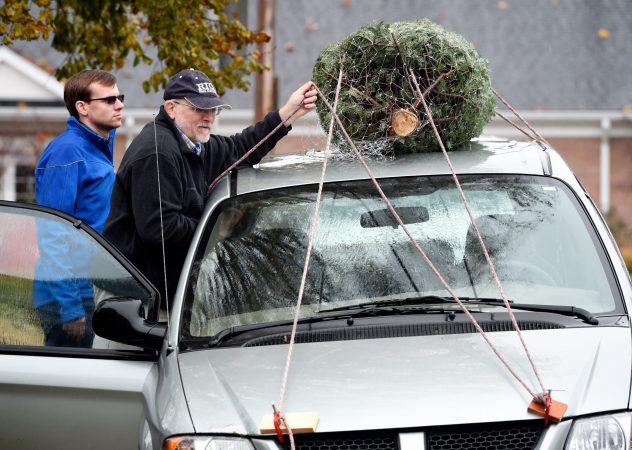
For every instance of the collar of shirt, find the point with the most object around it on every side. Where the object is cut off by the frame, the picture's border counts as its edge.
(105, 144)
(194, 146)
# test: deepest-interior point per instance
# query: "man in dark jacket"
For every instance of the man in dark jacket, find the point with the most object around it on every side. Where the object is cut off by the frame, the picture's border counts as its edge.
(179, 150)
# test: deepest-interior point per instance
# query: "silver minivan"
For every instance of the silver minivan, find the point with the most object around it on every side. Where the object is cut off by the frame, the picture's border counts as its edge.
(384, 358)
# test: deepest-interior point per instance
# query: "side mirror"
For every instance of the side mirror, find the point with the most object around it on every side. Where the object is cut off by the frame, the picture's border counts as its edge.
(121, 320)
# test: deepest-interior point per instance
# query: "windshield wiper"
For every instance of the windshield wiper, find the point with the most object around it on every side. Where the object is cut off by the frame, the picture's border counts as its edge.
(220, 337)
(574, 311)
(358, 309)
(384, 306)
(409, 301)
(339, 313)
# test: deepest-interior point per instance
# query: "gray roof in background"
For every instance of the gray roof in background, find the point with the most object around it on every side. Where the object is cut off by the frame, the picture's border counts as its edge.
(543, 54)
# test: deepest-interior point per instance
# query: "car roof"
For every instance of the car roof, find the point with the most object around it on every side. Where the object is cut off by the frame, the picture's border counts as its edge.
(484, 155)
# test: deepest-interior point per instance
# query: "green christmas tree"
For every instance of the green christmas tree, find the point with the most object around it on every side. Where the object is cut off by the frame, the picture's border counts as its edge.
(387, 68)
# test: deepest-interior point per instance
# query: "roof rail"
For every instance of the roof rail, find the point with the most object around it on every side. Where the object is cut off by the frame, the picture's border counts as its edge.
(545, 159)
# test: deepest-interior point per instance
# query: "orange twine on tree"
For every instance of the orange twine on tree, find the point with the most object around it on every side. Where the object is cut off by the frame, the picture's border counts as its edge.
(542, 397)
(278, 415)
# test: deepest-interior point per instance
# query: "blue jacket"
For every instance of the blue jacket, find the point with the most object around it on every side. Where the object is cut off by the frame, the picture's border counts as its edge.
(75, 174)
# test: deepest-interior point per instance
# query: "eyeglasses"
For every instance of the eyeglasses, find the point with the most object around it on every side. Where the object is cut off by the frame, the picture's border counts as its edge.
(214, 111)
(110, 100)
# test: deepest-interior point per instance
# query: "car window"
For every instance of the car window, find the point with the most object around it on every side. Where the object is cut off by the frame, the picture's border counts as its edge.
(52, 275)
(537, 235)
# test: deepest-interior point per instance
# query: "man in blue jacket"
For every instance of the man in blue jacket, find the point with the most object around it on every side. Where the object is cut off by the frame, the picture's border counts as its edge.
(75, 174)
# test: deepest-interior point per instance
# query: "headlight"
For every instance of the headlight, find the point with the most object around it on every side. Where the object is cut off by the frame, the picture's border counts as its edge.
(610, 432)
(206, 443)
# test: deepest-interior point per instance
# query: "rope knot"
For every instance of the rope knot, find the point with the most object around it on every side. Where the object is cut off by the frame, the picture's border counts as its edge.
(542, 397)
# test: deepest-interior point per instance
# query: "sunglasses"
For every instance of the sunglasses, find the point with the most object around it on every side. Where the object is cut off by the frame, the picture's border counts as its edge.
(214, 111)
(109, 100)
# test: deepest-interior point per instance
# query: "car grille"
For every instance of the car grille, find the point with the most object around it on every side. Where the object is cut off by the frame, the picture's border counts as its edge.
(345, 441)
(514, 437)
(511, 436)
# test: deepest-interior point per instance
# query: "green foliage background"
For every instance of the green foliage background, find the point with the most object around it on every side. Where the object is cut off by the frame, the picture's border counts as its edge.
(101, 34)
(375, 84)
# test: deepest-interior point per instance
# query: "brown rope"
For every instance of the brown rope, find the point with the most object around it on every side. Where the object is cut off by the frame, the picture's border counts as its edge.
(533, 138)
(251, 151)
(522, 119)
(492, 269)
(310, 244)
(538, 397)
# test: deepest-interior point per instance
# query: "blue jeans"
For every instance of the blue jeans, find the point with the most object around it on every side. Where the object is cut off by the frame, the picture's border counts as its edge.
(54, 334)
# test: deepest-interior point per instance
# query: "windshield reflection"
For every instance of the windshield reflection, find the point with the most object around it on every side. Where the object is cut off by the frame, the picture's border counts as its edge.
(536, 235)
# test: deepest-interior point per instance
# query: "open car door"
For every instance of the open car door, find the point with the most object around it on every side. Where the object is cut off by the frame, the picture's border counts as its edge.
(61, 386)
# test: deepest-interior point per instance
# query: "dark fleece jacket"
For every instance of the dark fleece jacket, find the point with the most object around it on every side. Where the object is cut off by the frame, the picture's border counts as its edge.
(133, 224)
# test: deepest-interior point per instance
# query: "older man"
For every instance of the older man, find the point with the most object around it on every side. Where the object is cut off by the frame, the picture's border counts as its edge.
(168, 167)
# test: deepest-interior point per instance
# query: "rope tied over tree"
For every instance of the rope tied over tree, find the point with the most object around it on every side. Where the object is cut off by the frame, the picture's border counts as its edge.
(380, 107)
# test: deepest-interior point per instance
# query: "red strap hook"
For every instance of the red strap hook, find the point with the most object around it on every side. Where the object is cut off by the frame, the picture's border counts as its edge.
(277, 425)
(547, 409)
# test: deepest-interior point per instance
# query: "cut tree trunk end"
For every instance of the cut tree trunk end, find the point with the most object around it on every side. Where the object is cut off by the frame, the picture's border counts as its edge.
(404, 122)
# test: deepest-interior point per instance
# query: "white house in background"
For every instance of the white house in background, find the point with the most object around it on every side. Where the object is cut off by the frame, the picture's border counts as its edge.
(26, 91)
(28, 83)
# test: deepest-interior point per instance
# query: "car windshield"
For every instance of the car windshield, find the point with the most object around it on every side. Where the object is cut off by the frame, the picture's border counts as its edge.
(249, 267)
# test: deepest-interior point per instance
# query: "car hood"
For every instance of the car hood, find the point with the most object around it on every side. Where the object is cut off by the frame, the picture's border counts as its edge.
(407, 382)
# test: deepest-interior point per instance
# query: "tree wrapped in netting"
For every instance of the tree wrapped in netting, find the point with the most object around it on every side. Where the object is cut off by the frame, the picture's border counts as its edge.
(386, 70)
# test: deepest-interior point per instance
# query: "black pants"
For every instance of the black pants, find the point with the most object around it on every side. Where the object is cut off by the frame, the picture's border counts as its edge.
(54, 334)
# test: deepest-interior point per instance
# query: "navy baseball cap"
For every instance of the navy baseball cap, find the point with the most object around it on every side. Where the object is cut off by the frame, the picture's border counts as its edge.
(195, 87)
